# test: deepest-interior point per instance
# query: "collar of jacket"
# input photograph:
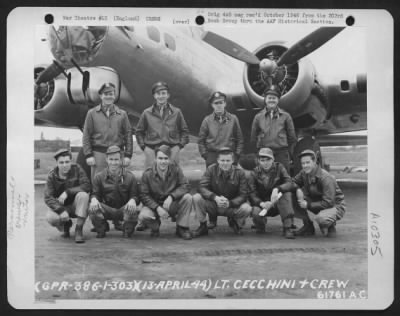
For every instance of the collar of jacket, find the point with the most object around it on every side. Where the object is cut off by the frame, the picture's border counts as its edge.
(276, 112)
(157, 174)
(168, 106)
(121, 173)
(316, 173)
(69, 174)
(225, 116)
(260, 170)
(115, 107)
(230, 172)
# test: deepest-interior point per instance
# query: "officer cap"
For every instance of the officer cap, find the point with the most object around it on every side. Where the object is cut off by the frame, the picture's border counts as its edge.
(113, 149)
(266, 152)
(307, 152)
(215, 96)
(166, 150)
(225, 151)
(158, 86)
(62, 152)
(273, 90)
(106, 87)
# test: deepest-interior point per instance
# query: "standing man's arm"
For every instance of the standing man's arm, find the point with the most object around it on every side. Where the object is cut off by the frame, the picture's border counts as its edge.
(238, 138)
(140, 131)
(254, 131)
(87, 134)
(127, 137)
(184, 131)
(203, 133)
(291, 135)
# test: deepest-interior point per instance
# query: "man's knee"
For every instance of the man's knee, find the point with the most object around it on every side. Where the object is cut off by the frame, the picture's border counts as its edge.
(82, 196)
(53, 218)
(245, 209)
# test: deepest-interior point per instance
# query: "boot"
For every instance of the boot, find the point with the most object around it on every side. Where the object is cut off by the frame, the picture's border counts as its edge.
(212, 224)
(201, 231)
(67, 226)
(332, 231)
(140, 227)
(79, 235)
(100, 225)
(128, 229)
(155, 231)
(118, 225)
(183, 232)
(306, 230)
(234, 225)
(93, 230)
(260, 229)
(288, 233)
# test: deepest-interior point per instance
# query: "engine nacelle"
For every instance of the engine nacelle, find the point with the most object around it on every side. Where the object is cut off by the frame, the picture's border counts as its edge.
(301, 93)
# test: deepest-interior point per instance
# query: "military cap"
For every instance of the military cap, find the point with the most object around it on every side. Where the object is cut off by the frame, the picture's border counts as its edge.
(307, 152)
(224, 151)
(216, 95)
(165, 149)
(158, 86)
(61, 152)
(113, 149)
(273, 90)
(106, 87)
(266, 152)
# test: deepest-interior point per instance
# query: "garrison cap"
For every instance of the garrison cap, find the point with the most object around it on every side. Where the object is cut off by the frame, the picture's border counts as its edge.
(165, 149)
(113, 150)
(225, 151)
(61, 152)
(106, 87)
(266, 152)
(273, 90)
(307, 152)
(216, 95)
(158, 86)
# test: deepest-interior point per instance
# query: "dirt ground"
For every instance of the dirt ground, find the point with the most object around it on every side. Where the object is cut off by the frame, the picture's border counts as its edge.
(221, 265)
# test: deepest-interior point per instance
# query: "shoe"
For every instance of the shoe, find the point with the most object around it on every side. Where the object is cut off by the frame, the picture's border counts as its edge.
(260, 229)
(183, 232)
(117, 226)
(288, 233)
(140, 227)
(306, 230)
(236, 229)
(332, 231)
(324, 230)
(101, 227)
(212, 225)
(67, 226)
(128, 228)
(79, 235)
(201, 231)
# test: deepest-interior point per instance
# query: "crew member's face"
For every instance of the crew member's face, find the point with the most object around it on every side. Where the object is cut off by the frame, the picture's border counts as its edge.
(271, 101)
(114, 162)
(161, 97)
(64, 164)
(308, 164)
(108, 97)
(162, 161)
(265, 162)
(225, 161)
(219, 106)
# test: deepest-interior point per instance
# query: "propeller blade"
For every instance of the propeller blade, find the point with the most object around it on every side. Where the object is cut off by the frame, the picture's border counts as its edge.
(49, 73)
(308, 44)
(230, 48)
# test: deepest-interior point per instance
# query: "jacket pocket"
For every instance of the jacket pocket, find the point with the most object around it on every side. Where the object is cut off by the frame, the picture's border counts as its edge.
(152, 136)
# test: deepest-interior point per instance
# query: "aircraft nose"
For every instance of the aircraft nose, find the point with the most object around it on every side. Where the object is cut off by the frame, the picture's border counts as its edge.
(76, 42)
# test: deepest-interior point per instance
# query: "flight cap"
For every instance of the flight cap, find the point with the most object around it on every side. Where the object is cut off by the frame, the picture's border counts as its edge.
(307, 152)
(273, 90)
(62, 152)
(158, 86)
(113, 150)
(266, 152)
(165, 149)
(216, 96)
(106, 87)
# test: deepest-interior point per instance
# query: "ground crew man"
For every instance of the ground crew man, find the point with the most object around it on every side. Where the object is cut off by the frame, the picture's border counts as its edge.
(161, 124)
(270, 195)
(115, 196)
(273, 128)
(219, 129)
(318, 192)
(223, 192)
(106, 125)
(66, 194)
(164, 193)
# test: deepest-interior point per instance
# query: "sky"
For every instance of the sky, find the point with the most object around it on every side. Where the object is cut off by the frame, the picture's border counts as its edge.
(348, 58)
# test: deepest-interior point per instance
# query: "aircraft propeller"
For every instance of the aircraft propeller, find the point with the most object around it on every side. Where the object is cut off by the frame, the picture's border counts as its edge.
(268, 67)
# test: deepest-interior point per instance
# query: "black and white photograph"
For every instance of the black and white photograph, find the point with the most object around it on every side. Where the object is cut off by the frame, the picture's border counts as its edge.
(200, 158)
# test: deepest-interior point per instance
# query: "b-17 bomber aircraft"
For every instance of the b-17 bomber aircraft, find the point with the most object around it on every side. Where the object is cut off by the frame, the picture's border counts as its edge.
(195, 62)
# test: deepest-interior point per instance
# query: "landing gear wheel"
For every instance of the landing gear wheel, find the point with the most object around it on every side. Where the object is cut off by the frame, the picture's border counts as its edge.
(308, 142)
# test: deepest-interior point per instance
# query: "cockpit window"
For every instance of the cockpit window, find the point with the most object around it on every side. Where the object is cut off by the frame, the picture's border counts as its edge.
(153, 33)
(78, 42)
